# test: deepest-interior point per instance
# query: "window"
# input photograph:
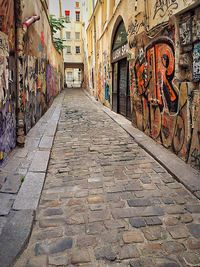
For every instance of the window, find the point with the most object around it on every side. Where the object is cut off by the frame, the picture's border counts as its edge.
(68, 49)
(77, 5)
(68, 35)
(77, 35)
(69, 76)
(67, 15)
(77, 15)
(77, 49)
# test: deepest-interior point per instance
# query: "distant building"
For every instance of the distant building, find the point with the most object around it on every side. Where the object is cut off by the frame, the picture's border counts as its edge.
(72, 34)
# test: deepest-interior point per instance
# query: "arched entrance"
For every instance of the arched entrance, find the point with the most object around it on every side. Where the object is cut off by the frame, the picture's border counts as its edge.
(121, 94)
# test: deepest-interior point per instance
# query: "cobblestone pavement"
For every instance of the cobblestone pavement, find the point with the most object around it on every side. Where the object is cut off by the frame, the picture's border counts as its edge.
(106, 202)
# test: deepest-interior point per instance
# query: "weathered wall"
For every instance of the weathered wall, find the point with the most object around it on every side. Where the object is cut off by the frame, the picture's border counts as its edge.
(104, 45)
(7, 78)
(164, 77)
(40, 65)
(31, 74)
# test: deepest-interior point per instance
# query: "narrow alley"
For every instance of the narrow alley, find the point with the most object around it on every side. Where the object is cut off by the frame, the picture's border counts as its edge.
(106, 202)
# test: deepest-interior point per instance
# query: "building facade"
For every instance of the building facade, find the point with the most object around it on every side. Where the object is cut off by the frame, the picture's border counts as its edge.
(72, 36)
(31, 69)
(143, 60)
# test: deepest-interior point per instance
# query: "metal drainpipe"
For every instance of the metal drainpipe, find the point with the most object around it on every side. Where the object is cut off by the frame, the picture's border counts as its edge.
(21, 29)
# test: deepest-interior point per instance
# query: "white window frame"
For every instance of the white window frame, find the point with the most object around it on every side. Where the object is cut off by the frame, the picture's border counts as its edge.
(68, 49)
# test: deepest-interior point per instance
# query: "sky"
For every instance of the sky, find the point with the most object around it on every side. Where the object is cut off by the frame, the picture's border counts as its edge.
(66, 5)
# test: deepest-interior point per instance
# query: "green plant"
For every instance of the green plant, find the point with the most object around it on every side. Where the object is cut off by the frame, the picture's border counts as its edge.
(22, 179)
(57, 24)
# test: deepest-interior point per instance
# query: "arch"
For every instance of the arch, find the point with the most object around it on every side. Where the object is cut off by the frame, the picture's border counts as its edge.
(118, 21)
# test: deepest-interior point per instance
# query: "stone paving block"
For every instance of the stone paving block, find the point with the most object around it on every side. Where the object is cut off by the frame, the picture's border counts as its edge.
(12, 165)
(3, 220)
(12, 184)
(178, 232)
(6, 202)
(58, 260)
(40, 161)
(21, 153)
(106, 253)
(153, 221)
(166, 262)
(132, 237)
(80, 256)
(194, 229)
(137, 212)
(53, 247)
(128, 252)
(46, 142)
(37, 261)
(139, 202)
(14, 236)
(137, 222)
(154, 233)
(29, 194)
(191, 258)
(2, 178)
(193, 208)
(193, 243)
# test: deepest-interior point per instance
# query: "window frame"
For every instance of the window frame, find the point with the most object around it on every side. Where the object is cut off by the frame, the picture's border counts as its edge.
(78, 34)
(68, 46)
(78, 16)
(77, 46)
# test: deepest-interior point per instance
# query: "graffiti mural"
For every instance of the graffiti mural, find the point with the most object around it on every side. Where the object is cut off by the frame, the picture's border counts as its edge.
(163, 7)
(185, 29)
(7, 90)
(99, 84)
(40, 84)
(165, 108)
(196, 61)
(7, 21)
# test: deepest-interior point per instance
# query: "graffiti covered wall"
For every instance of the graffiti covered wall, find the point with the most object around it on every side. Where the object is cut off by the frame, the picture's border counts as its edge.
(31, 74)
(164, 83)
(40, 68)
(7, 79)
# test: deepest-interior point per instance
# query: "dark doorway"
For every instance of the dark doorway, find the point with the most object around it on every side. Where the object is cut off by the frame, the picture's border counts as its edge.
(120, 93)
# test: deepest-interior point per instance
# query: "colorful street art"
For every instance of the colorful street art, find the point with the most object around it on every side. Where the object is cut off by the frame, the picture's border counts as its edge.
(196, 62)
(163, 107)
(7, 93)
(40, 84)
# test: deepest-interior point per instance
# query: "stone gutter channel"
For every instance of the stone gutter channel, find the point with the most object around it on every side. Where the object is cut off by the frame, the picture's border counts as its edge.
(181, 171)
(22, 179)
